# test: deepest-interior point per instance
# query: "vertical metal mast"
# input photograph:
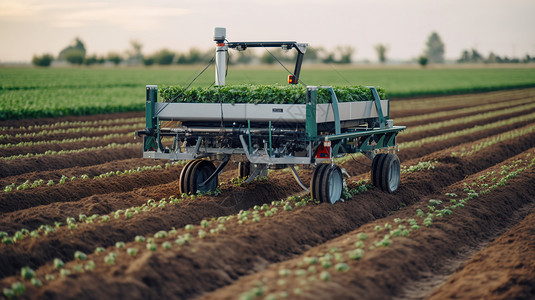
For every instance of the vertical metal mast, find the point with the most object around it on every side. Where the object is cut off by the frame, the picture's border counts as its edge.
(221, 55)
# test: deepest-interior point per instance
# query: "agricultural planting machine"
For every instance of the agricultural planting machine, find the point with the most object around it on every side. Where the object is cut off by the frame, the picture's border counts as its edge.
(264, 136)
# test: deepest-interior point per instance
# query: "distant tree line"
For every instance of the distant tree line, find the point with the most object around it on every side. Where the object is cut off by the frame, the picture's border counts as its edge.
(76, 54)
(473, 56)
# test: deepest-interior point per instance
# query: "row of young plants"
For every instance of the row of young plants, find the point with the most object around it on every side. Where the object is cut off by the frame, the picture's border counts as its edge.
(65, 141)
(72, 223)
(64, 179)
(263, 94)
(51, 152)
(57, 125)
(469, 119)
(451, 135)
(300, 277)
(167, 240)
(73, 130)
(467, 131)
(164, 240)
(491, 141)
(474, 110)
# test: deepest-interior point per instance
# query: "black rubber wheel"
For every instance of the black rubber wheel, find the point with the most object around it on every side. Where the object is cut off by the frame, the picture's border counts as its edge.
(244, 169)
(327, 183)
(377, 164)
(390, 173)
(198, 174)
(184, 175)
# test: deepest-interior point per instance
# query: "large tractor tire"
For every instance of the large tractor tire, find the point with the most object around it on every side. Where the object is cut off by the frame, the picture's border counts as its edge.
(327, 183)
(194, 174)
(386, 172)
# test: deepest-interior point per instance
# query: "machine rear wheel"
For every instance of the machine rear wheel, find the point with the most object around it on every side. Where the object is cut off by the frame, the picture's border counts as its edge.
(194, 174)
(376, 163)
(386, 172)
(390, 174)
(244, 169)
(199, 173)
(327, 183)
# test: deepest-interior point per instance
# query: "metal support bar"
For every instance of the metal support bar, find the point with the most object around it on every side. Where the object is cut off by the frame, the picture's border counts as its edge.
(298, 64)
(311, 127)
(334, 102)
(270, 145)
(377, 99)
(197, 146)
(259, 170)
(355, 134)
(298, 179)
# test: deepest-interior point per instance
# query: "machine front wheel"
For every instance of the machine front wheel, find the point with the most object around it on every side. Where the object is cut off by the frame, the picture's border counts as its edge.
(327, 183)
(194, 174)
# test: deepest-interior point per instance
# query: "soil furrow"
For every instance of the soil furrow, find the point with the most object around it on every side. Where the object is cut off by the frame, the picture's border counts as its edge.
(383, 272)
(35, 149)
(306, 231)
(87, 237)
(503, 270)
(95, 170)
(77, 159)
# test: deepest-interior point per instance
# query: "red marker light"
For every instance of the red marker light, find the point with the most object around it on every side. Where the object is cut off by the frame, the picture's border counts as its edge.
(292, 79)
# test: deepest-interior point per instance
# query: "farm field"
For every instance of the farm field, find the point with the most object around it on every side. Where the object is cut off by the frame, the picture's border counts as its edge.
(37, 93)
(82, 216)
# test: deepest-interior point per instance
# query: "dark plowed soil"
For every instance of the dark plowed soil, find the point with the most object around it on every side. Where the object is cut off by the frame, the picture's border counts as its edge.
(68, 160)
(310, 226)
(503, 270)
(63, 242)
(227, 263)
(33, 122)
(382, 273)
(91, 171)
(413, 107)
(12, 151)
(78, 189)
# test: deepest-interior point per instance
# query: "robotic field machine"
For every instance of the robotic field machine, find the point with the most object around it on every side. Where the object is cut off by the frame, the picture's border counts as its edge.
(264, 136)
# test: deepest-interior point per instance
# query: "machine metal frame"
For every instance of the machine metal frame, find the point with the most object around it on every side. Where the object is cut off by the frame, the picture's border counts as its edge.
(270, 135)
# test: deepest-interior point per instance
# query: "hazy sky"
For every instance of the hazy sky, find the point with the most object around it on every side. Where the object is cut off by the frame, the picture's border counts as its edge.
(506, 27)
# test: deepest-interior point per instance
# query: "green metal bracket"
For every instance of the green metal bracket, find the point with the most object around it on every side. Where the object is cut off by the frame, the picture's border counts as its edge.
(334, 102)
(270, 145)
(377, 99)
(151, 122)
(311, 127)
(250, 140)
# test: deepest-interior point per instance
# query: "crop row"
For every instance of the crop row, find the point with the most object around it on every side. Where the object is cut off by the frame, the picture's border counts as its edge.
(41, 182)
(298, 277)
(159, 240)
(454, 102)
(470, 110)
(420, 168)
(67, 124)
(65, 141)
(178, 240)
(73, 130)
(472, 118)
(20, 104)
(74, 225)
(491, 141)
(467, 131)
(110, 146)
(453, 134)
